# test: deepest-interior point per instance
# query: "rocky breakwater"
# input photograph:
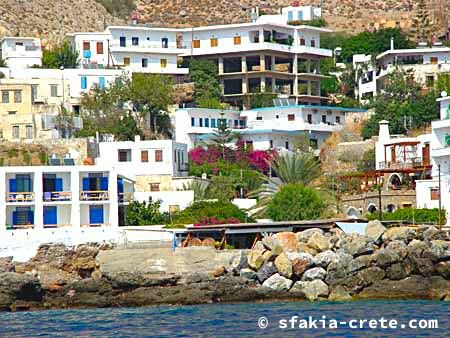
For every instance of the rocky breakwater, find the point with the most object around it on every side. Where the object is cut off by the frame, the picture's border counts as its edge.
(397, 263)
(385, 263)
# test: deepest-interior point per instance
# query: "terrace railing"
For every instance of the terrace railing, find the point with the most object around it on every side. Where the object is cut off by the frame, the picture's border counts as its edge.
(16, 197)
(54, 196)
(98, 195)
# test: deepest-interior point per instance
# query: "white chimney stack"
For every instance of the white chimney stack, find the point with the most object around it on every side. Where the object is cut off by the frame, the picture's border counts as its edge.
(392, 43)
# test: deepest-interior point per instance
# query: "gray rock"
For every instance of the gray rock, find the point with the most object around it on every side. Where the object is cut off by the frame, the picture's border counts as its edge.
(268, 269)
(272, 244)
(319, 242)
(21, 286)
(374, 230)
(416, 248)
(360, 263)
(338, 268)
(398, 271)
(313, 274)
(443, 268)
(312, 290)
(278, 282)
(283, 265)
(356, 245)
(305, 235)
(323, 259)
(303, 256)
(399, 247)
(436, 252)
(405, 234)
(248, 274)
(385, 257)
(339, 294)
(239, 262)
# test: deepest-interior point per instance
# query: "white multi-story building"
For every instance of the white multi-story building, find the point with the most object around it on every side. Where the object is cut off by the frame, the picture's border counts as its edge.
(21, 52)
(264, 128)
(425, 64)
(428, 190)
(266, 55)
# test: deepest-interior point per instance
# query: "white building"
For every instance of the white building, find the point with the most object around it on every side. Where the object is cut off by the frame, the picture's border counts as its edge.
(428, 190)
(425, 64)
(59, 196)
(264, 128)
(21, 52)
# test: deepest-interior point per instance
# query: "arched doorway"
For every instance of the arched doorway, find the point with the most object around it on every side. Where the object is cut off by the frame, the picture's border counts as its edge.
(372, 208)
(353, 213)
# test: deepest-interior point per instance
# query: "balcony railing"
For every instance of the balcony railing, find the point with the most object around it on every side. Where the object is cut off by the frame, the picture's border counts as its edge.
(53, 196)
(125, 197)
(99, 195)
(409, 164)
(95, 225)
(16, 197)
(17, 227)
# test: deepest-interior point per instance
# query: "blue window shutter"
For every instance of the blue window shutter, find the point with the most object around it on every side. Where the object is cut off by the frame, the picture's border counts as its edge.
(200, 120)
(206, 122)
(213, 123)
(14, 217)
(83, 82)
(96, 214)
(50, 215)
(58, 184)
(104, 183)
(192, 121)
(290, 16)
(86, 184)
(31, 217)
(300, 15)
(120, 185)
(101, 82)
(12, 185)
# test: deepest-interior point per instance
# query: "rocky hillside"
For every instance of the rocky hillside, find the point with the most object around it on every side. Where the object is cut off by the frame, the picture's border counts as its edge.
(51, 19)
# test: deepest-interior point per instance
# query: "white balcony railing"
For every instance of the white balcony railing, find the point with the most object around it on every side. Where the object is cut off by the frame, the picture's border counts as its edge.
(16, 197)
(55, 196)
(98, 195)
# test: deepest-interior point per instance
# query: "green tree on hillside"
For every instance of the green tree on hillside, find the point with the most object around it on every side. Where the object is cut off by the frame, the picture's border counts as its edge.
(60, 56)
(207, 87)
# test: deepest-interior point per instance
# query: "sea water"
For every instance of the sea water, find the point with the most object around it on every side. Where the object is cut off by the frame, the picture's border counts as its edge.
(233, 320)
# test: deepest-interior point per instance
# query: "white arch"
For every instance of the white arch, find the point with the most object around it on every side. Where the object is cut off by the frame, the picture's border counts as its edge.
(391, 177)
(352, 212)
(372, 207)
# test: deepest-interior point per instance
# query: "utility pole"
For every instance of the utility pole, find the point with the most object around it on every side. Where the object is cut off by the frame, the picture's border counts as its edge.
(440, 198)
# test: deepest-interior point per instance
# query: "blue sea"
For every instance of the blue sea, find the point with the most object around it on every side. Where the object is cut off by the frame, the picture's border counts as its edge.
(235, 320)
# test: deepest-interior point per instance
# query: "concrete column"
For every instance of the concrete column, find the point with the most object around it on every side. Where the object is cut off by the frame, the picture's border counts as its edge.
(295, 91)
(272, 60)
(261, 35)
(295, 65)
(222, 86)
(309, 87)
(262, 62)
(221, 66)
(2, 201)
(75, 210)
(113, 200)
(244, 85)
(244, 64)
(38, 200)
(263, 83)
(274, 85)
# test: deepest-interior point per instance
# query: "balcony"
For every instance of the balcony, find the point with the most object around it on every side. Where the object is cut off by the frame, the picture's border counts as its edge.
(57, 196)
(125, 197)
(146, 48)
(412, 163)
(98, 195)
(18, 197)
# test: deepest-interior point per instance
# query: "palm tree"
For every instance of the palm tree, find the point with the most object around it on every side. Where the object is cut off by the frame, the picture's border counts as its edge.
(298, 167)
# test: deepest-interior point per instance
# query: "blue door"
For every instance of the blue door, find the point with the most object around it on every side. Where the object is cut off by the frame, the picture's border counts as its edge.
(50, 215)
(96, 214)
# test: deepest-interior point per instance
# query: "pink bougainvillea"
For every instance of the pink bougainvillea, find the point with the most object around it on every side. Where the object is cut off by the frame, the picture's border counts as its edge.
(214, 221)
(259, 159)
(201, 155)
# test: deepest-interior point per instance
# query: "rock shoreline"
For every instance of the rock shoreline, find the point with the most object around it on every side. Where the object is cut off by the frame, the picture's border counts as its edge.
(395, 263)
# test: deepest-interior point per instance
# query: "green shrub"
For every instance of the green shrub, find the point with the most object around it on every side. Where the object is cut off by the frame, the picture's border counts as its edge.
(43, 157)
(219, 210)
(12, 153)
(26, 158)
(295, 202)
(411, 214)
(2, 161)
(145, 213)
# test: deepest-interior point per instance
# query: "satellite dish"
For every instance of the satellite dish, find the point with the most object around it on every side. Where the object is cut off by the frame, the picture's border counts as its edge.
(443, 93)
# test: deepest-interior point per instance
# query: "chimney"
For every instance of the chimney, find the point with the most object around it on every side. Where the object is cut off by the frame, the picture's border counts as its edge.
(383, 134)
(137, 138)
(392, 43)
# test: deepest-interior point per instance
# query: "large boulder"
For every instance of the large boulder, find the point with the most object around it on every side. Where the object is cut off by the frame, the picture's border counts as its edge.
(283, 265)
(239, 262)
(338, 268)
(399, 271)
(268, 269)
(305, 235)
(278, 283)
(313, 274)
(398, 247)
(303, 247)
(255, 259)
(247, 273)
(19, 287)
(312, 290)
(324, 258)
(443, 268)
(339, 294)
(356, 245)
(437, 251)
(374, 230)
(319, 242)
(360, 263)
(300, 262)
(288, 241)
(385, 257)
(6, 264)
(272, 244)
(405, 234)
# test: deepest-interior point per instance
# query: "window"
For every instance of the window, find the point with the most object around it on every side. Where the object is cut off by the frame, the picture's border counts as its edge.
(302, 42)
(338, 119)
(313, 143)
(135, 41)
(290, 16)
(300, 15)
(286, 145)
(214, 42)
(86, 45)
(29, 132)
(206, 122)
(259, 118)
(34, 89)
(429, 81)
(291, 117)
(200, 121)
(313, 43)
(158, 155)
(15, 132)
(83, 82)
(213, 123)
(99, 47)
(5, 96)
(124, 155)
(237, 40)
(101, 82)
(122, 41)
(163, 63)
(12, 112)
(126, 61)
(249, 145)
(195, 43)
(434, 60)
(17, 96)
(434, 194)
(271, 143)
(165, 42)
(144, 155)
(324, 118)
(154, 186)
(192, 121)
(310, 118)
(53, 90)
(144, 63)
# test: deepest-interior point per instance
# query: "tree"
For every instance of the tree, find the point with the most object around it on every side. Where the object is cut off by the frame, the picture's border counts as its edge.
(145, 213)
(207, 87)
(260, 100)
(3, 63)
(295, 202)
(61, 56)
(402, 100)
(127, 128)
(223, 135)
